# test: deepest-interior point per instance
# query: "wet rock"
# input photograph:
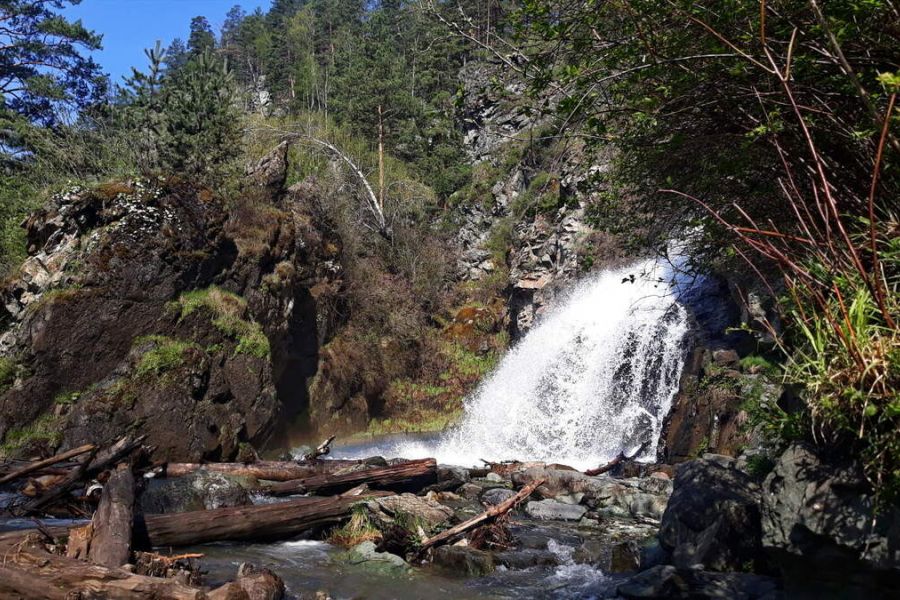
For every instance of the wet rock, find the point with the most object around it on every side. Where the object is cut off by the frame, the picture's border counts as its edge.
(366, 555)
(526, 558)
(553, 510)
(453, 473)
(496, 496)
(712, 518)
(470, 491)
(666, 581)
(823, 513)
(494, 478)
(624, 557)
(462, 560)
(260, 583)
(202, 490)
(725, 357)
(427, 512)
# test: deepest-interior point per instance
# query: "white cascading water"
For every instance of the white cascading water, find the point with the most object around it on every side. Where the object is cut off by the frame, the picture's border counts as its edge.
(596, 376)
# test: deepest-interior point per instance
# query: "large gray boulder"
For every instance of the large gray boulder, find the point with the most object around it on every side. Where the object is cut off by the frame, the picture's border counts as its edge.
(712, 518)
(553, 510)
(825, 513)
(668, 582)
(202, 490)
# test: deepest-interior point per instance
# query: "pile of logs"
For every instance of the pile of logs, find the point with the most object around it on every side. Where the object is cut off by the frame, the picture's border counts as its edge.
(112, 555)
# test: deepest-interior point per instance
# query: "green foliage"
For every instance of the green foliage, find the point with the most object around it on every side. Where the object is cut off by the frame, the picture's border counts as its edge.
(42, 430)
(8, 369)
(759, 466)
(164, 354)
(229, 316)
(758, 363)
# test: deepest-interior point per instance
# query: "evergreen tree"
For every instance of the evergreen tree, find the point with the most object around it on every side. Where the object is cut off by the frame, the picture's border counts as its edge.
(202, 38)
(176, 55)
(42, 69)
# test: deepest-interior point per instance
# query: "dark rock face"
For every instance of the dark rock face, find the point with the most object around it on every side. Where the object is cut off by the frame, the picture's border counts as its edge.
(152, 307)
(666, 581)
(712, 518)
(820, 513)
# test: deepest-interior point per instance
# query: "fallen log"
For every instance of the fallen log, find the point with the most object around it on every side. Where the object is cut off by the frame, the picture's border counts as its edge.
(268, 470)
(617, 461)
(47, 462)
(110, 544)
(485, 517)
(408, 476)
(264, 522)
(28, 571)
(56, 492)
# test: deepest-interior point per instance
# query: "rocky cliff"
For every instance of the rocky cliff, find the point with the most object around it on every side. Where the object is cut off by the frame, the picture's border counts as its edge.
(155, 306)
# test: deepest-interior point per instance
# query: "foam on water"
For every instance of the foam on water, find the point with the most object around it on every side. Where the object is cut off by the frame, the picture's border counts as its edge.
(596, 376)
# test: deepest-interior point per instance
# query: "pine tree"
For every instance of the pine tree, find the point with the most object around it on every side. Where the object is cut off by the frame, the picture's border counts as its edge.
(202, 38)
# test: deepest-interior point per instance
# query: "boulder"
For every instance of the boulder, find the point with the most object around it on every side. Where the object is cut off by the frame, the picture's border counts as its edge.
(495, 496)
(553, 510)
(202, 490)
(824, 514)
(429, 513)
(462, 560)
(668, 582)
(712, 518)
(366, 555)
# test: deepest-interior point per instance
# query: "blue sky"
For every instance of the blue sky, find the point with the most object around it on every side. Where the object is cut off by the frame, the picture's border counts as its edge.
(130, 26)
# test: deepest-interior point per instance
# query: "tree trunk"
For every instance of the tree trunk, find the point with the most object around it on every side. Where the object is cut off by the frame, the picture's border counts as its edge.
(41, 464)
(31, 572)
(111, 542)
(268, 470)
(264, 522)
(407, 476)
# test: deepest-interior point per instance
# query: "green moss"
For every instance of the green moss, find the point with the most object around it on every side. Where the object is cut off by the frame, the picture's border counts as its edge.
(229, 316)
(165, 354)
(760, 364)
(43, 429)
(7, 373)
(66, 398)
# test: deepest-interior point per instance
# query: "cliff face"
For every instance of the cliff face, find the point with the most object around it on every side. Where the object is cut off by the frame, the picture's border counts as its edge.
(155, 307)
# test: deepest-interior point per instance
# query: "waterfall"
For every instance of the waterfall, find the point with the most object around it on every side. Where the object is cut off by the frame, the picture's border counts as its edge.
(596, 376)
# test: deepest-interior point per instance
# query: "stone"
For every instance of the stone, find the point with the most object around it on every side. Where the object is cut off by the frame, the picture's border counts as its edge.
(823, 513)
(453, 473)
(553, 510)
(725, 357)
(494, 477)
(429, 513)
(495, 496)
(624, 557)
(470, 491)
(202, 490)
(668, 582)
(712, 518)
(380, 562)
(462, 560)
(526, 558)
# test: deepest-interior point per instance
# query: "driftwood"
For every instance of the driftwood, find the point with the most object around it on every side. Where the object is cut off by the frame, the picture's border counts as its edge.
(61, 488)
(110, 544)
(48, 462)
(324, 449)
(486, 517)
(414, 474)
(28, 571)
(617, 461)
(268, 470)
(264, 522)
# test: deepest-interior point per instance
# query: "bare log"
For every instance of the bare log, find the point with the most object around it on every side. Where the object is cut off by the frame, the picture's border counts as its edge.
(28, 571)
(60, 489)
(485, 517)
(268, 470)
(109, 457)
(112, 523)
(48, 462)
(617, 461)
(324, 449)
(411, 475)
(264, 522)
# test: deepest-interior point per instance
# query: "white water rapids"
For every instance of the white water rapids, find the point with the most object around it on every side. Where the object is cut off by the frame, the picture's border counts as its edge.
(596, 376)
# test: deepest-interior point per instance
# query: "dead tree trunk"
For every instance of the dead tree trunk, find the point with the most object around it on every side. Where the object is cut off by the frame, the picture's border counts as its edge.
(30, 572)
(485, 517)
(414, 474)
(621, 458)
(48, 462)
(112, 523)
(267, 470)
(264, 522)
